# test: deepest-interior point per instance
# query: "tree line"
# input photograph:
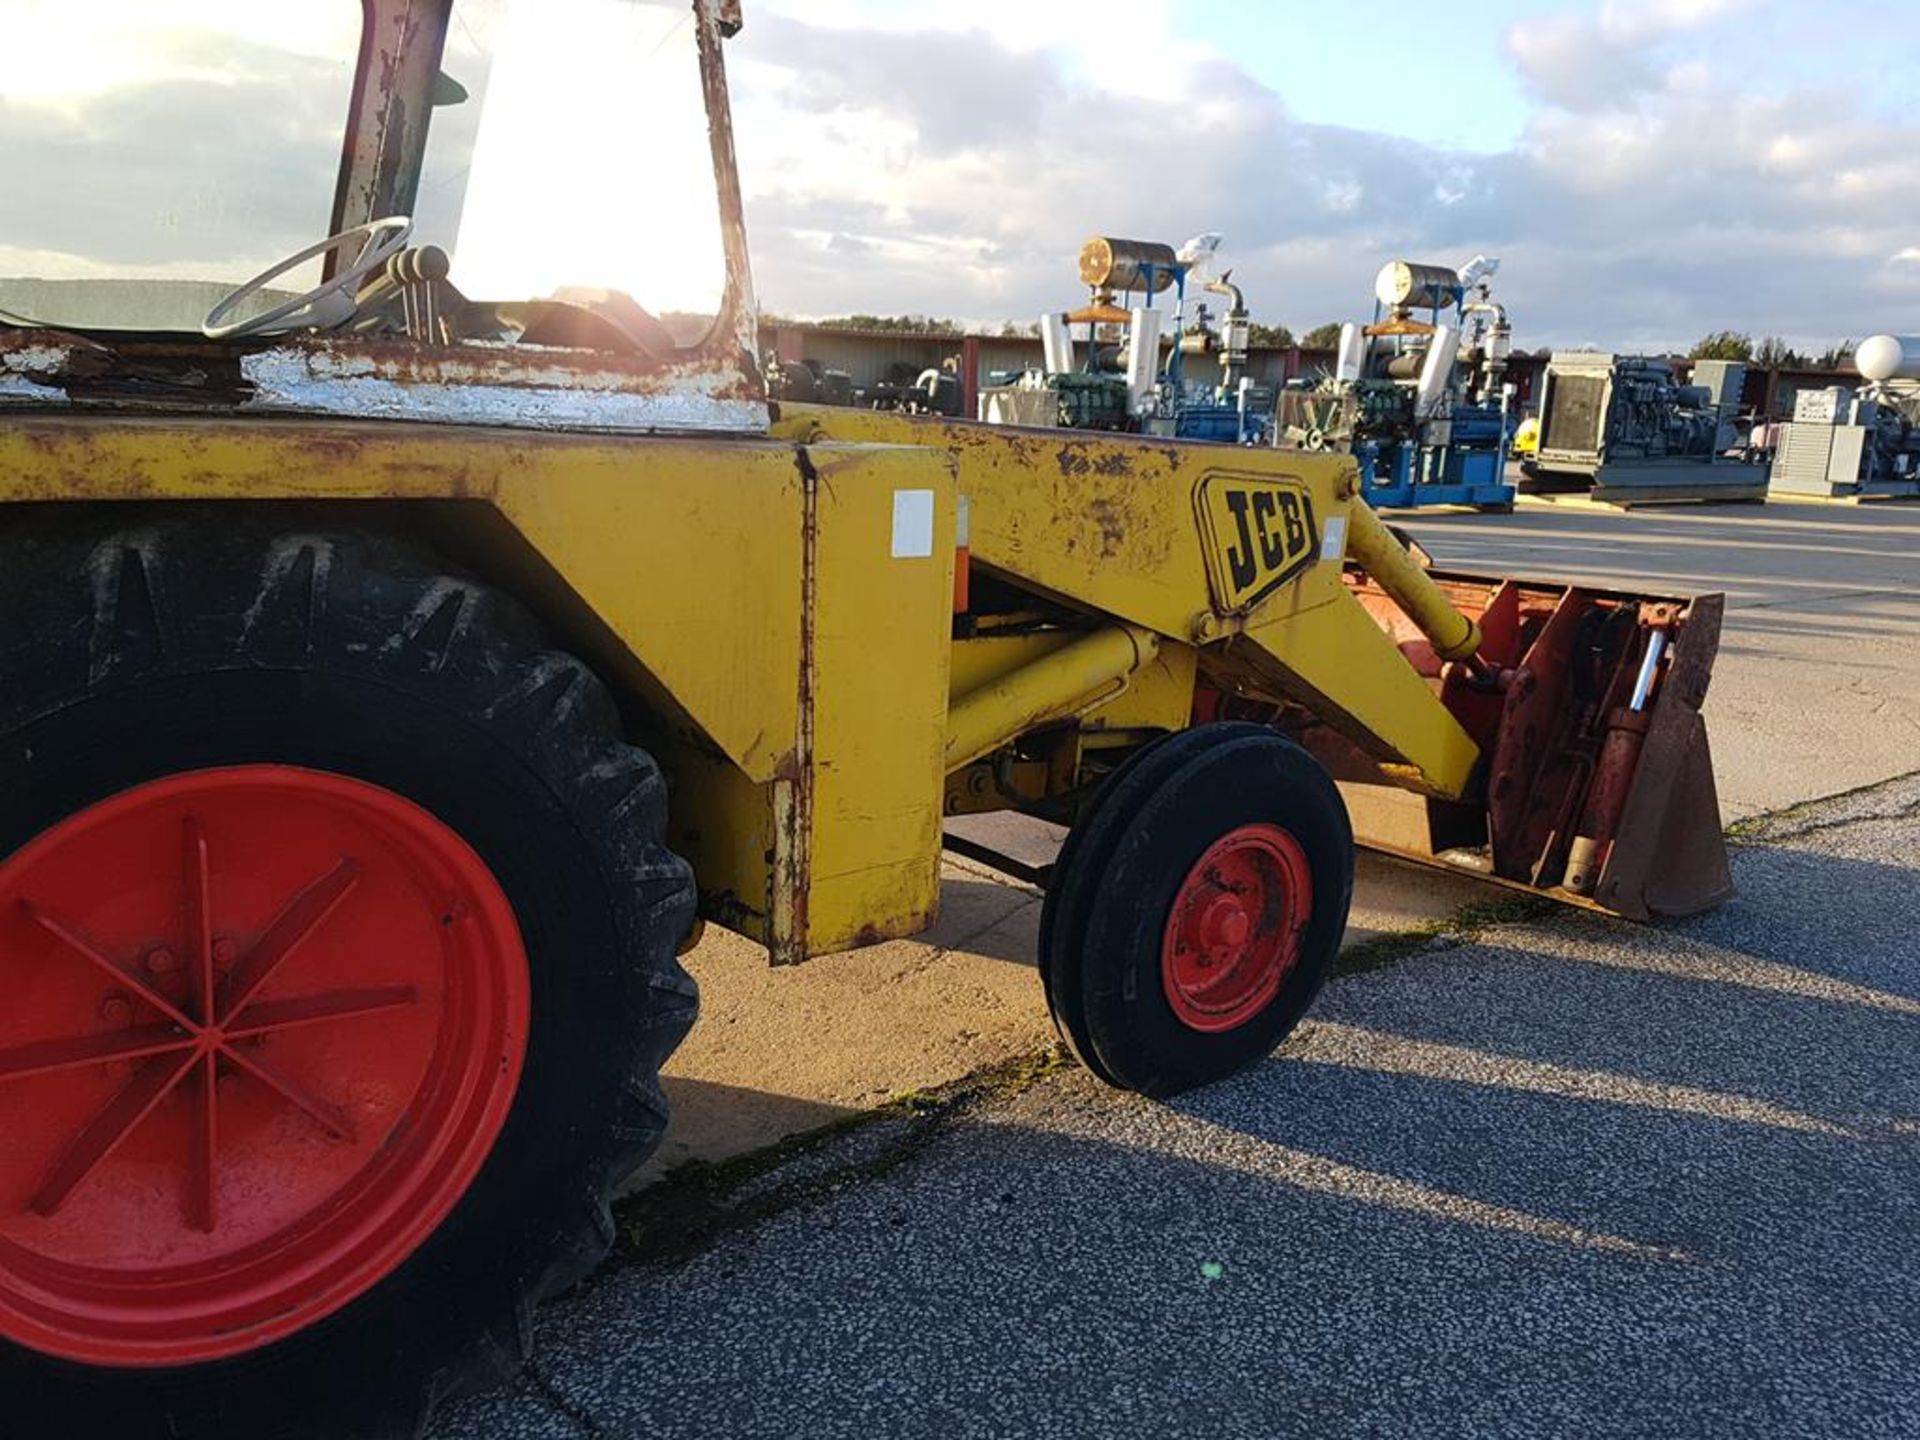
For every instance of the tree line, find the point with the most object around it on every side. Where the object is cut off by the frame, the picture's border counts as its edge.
(1769, 352)
(1276, 336)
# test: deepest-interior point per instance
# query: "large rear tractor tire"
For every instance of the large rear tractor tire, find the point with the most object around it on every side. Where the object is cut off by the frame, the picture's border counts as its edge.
(338, 939)
(1197, 909)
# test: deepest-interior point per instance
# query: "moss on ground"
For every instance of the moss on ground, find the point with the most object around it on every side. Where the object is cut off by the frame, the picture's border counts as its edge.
(1469, 922)
(699, 1202)
(1787, 821)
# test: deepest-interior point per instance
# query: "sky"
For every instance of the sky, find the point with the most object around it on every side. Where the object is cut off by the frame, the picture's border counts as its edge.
(1646, 170)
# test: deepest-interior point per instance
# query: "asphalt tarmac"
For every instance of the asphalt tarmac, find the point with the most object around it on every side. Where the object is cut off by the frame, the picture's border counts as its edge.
(1563, 1176)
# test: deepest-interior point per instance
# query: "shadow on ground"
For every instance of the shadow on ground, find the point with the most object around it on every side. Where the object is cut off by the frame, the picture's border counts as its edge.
(1575, 1178)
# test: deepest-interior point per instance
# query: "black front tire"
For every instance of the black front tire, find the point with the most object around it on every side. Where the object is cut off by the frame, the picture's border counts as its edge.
(1116, 883)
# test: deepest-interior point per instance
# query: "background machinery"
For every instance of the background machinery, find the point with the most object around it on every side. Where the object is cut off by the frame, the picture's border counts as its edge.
(383, 694)
(1625, 428)
(933, 390)
(1844, 443)
(808, 381)
(1127, 369)
(1422, 404)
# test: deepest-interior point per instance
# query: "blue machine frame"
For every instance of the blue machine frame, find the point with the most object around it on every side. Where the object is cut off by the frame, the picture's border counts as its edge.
(1472, 465)
(1474, 476)
(1220, 424)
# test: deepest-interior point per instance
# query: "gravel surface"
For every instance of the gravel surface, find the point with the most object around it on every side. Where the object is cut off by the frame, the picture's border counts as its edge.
(1566, 1178)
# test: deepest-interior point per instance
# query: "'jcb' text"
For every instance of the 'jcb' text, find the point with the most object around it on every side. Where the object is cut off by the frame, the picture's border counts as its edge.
(1260, 533)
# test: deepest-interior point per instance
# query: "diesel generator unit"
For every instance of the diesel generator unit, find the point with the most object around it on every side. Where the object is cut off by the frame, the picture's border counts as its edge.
(1857, 444)
(1624, 428)
(1419, 397)
(1119, 362)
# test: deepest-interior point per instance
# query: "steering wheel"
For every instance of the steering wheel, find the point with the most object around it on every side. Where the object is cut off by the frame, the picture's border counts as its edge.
(327, 304)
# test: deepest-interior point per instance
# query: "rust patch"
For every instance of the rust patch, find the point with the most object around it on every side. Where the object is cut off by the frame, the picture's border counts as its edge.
(1111, 520)
(790, 883)
(403, 362)
(1669, 855)
(735, 334)
(1075, 458)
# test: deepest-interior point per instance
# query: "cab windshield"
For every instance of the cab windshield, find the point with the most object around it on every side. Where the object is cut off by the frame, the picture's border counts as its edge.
(159, 153)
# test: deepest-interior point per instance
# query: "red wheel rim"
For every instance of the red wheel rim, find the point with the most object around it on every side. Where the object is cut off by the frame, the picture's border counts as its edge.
(263, 1027)
(1233, 934)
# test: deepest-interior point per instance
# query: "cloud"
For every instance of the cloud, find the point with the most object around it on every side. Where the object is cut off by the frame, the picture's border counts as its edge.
(958, 90)
(1595, 62)
(974, 171)
(949, 160)
(146, 176)
(1664, 204)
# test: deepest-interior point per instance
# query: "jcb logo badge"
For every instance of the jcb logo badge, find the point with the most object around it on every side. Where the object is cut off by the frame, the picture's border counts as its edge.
(1259, 535)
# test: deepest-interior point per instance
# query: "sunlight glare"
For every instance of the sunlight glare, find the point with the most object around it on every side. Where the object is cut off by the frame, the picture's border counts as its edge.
(591, 165)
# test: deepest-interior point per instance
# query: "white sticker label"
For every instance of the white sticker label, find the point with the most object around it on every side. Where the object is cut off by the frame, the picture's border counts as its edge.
(1333, 538)
(912, 524)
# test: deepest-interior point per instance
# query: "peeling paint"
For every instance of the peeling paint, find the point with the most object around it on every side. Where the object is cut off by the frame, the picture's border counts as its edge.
(34, 363)
(13, 389)
(791, 875)
(495, 385)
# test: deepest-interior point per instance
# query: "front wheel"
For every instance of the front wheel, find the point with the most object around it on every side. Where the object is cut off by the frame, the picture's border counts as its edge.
(1199, 913)
(339, 945)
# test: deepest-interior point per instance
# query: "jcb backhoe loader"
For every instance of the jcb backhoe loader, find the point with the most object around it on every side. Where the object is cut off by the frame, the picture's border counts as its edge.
(399, 652)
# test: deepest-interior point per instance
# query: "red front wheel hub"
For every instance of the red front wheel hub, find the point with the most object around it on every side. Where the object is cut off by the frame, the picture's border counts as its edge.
(1234, 932)
(263, 1027)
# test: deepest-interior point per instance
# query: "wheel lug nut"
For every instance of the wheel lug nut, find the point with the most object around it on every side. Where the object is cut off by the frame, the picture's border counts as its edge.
(116, 1009)
(223, 954)
(162, 961)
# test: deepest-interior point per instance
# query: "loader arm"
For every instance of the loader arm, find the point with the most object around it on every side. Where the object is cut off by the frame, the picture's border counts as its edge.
(1149, 532)
(1543, 735)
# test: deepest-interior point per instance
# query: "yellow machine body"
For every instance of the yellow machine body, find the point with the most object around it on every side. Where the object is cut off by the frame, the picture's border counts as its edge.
(1151, 532)
(777, 614)
(745, 596)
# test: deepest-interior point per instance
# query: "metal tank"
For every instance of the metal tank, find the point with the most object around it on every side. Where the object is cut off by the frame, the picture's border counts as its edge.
(1888, 357)
(1110, 264)
(1409, 285)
